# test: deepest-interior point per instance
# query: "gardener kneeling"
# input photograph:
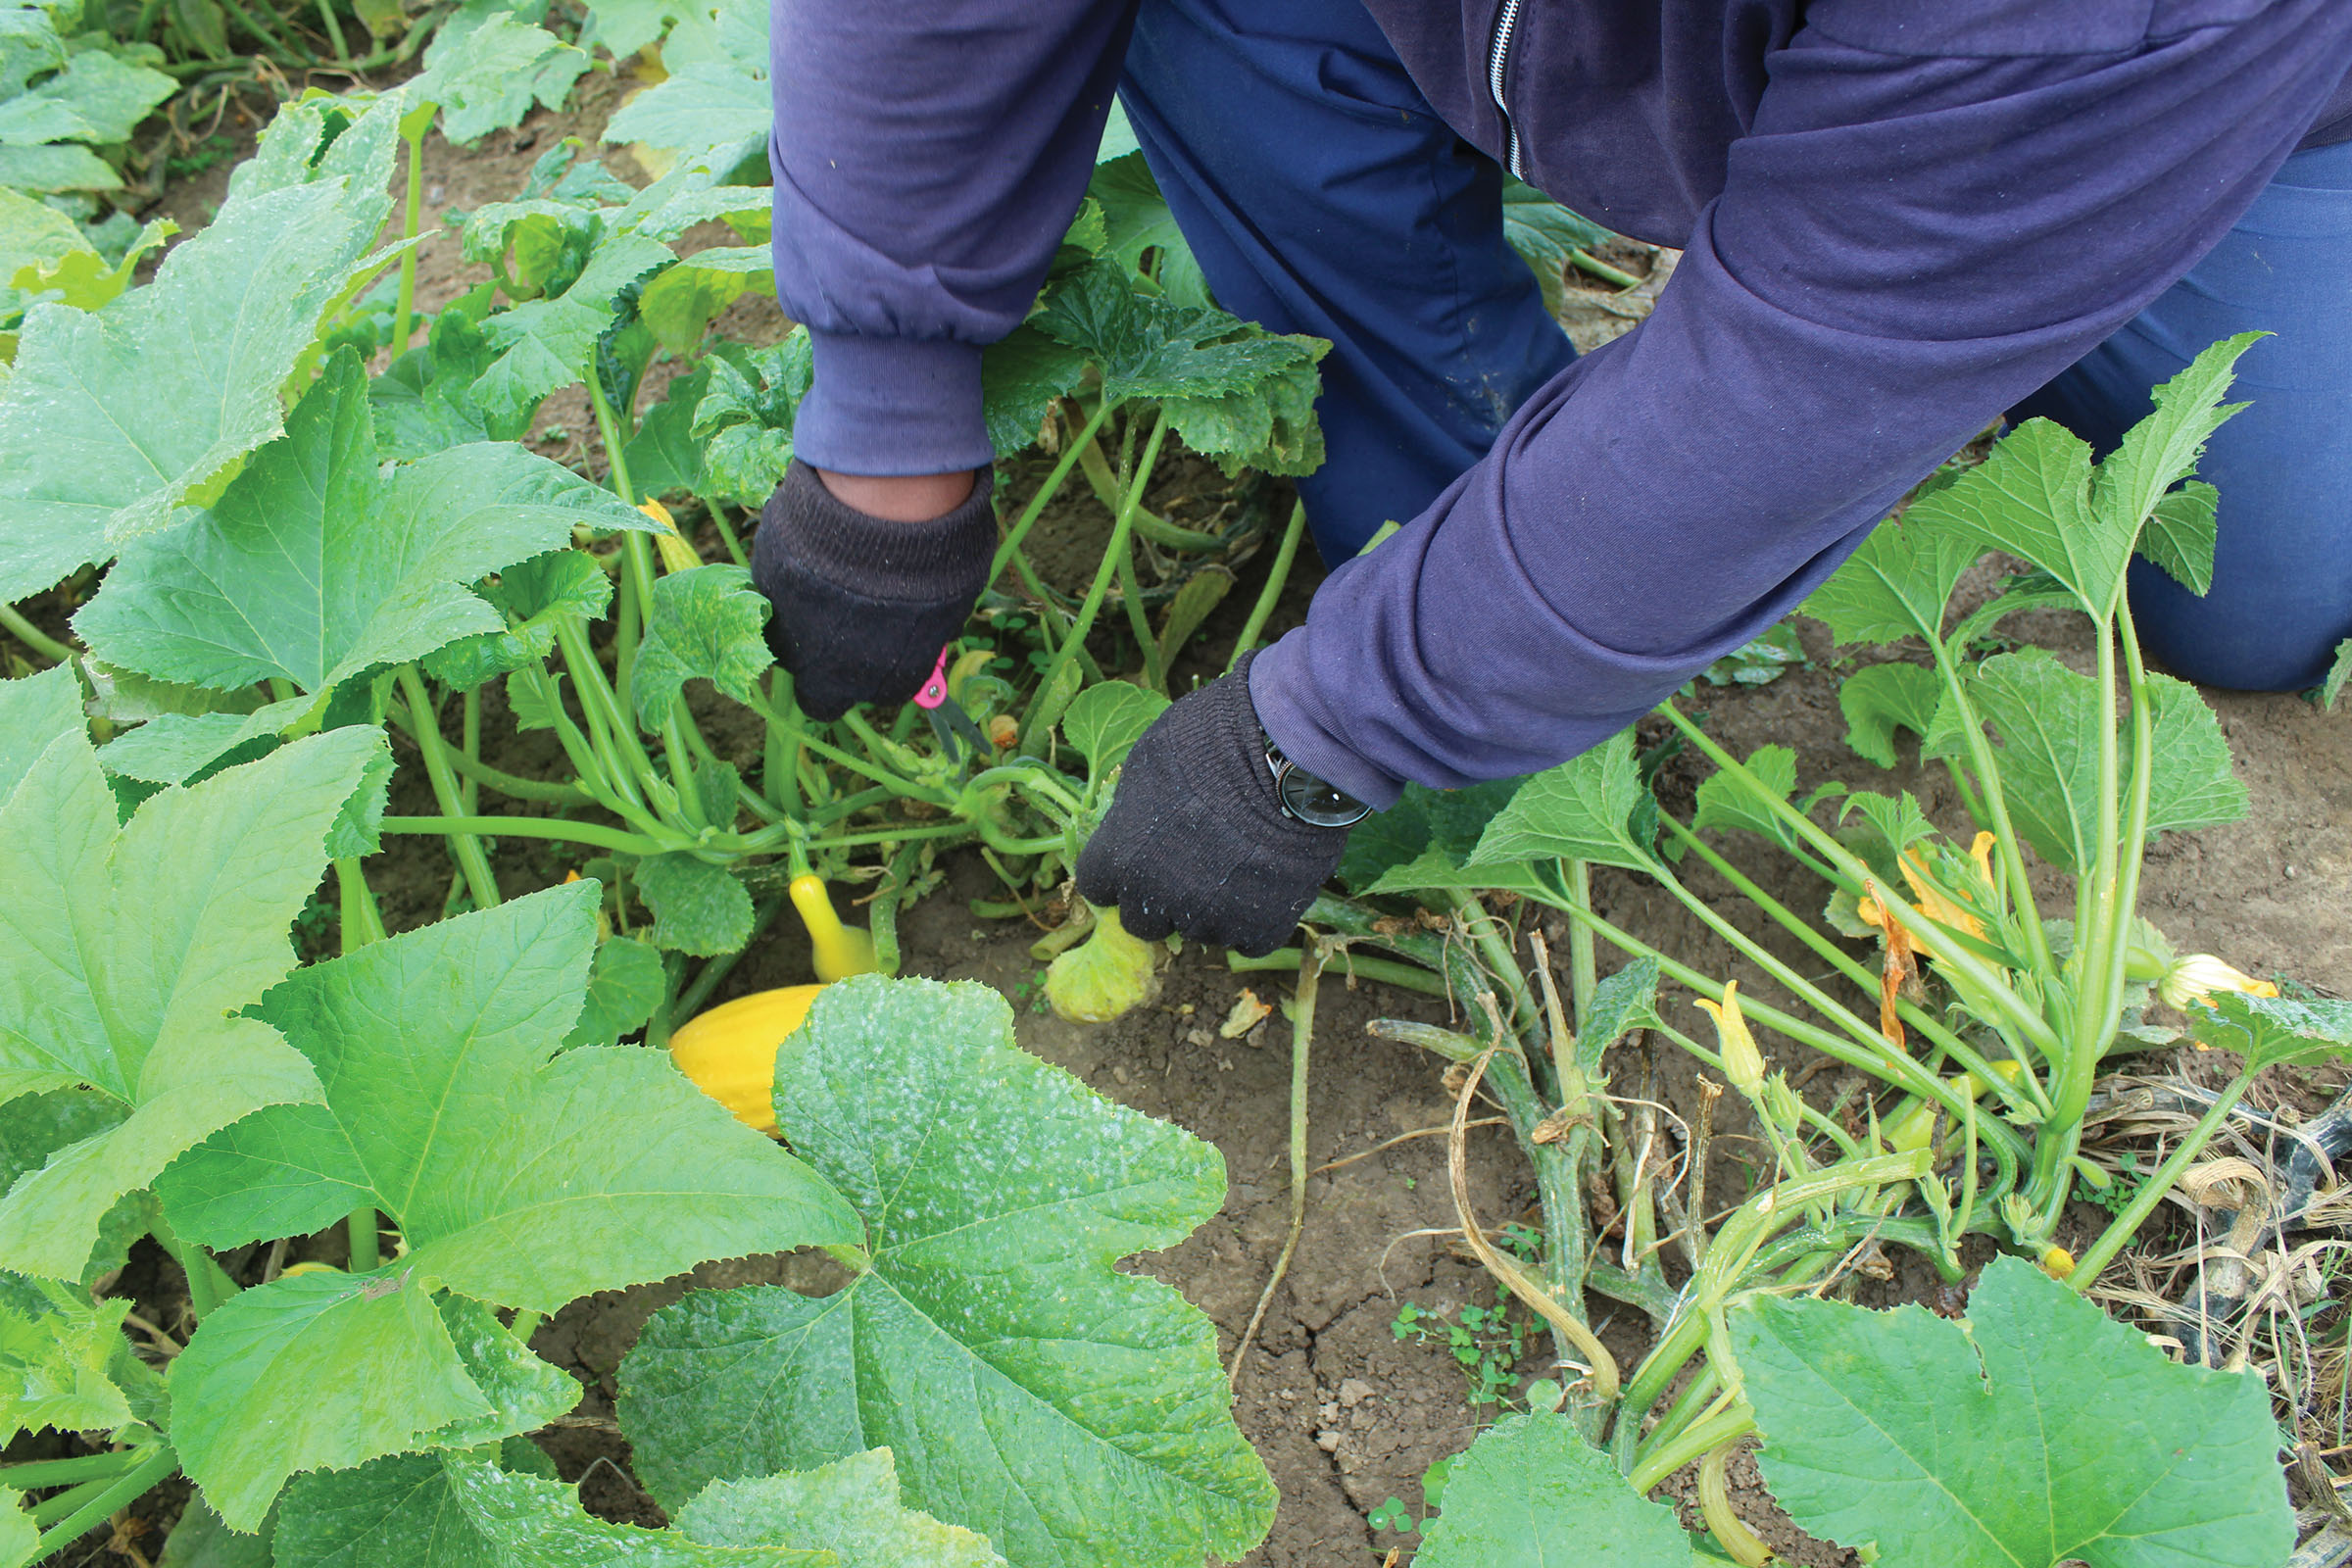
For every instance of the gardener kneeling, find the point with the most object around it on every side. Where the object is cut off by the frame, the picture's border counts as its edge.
(1898, 219)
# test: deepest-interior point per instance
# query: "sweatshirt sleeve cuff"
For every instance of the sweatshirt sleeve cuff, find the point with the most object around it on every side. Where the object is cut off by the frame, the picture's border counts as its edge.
(892, 406)
(1275, 691)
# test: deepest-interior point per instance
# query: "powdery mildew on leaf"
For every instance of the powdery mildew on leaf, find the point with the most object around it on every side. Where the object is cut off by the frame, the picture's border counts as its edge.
(1075, 1414)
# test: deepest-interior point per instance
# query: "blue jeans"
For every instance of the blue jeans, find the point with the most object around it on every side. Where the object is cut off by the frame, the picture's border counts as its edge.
(1322, 194)
(2282, 596)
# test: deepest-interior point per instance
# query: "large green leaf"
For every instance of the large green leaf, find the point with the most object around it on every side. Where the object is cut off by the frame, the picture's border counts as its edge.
(545, 344)
(1422, 842)
(2048, 720)
(33, 1127)
(450, 1510)
(745, 416)
(1575, 811)
(1030, 1390)
(703, 105)
(2181, 534)
(2163, 448)
(486, 76)
(424, 401)
(850, 1507)
(1879, 699)
(327, 1370)
(1532, 1494)
(1897, 584)
(2193, 784)
(2038, 1432)
(2031, 498)
(99, 97)
(1544, 233)
(128, 955)
(501, 1168)
(705, 624)
(318, 562)
(53, 1363)
(115, 417)
(1020, 377)
(19, 1537)
(1744, 801)
(2271, 1031)
(1105, 720)
(35, 712)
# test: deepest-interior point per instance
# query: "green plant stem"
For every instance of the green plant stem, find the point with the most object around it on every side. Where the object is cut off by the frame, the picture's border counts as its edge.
(359, 918)
(1271, 593)
(1705, 1385)
(334, 32)
(2028, 915)
(526, 1324)
(547, 791)
(1121, 528)
(1403, 975)
(1584, 961)
(208, 1284)
(150, 1469)
(1909, 1075)
(470, 747)
(32, 637)
(67, 1472)
(1151, 525)
(2125, 1225)
(1691, 1442)
(2031, 1024)
(49, 1510)
(1586, 263)
(1083, 441)
(366, 1252)
(278, 48)
(1484, 927)
(1918, 1017)
(561, 830)
(463, 847)
(1139, 621)
(626, 769)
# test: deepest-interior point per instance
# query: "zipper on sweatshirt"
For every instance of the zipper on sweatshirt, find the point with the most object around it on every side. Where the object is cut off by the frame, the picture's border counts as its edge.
(1499, 61)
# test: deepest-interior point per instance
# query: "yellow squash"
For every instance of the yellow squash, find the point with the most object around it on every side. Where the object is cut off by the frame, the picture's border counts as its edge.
(730, 1051)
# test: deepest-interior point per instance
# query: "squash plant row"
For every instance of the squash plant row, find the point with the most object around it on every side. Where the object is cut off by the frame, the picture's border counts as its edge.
(301, 558)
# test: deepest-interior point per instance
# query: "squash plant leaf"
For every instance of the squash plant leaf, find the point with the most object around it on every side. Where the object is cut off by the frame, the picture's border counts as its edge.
(1880, 699)
(625, 984)
(1728, 800)
(707, 623)
(1020, 377)
(665, 458)
(1419, 844)
(2339, 670)
(328, 1370)
(1897, 584)
(1105, 720)
(486, 70)
(129, 952)
(699, 909)
(2047, 718)
(2193, 784)
(745, 416)
(530, 596)
(2031, 498)
(1532, 1494)
(33, 1127)
(452, 1510)
(1544, 233)
(2163, 448)
(318, 562)
(19, 1537)
(2181, 534)
(115, 417)
(424, 401)
(544, 344)
(850, 1507)
(2272, 1031)
(35, 712)
(702, 106)
(2038, 1432)
(54, 1358)
(1579, 811)
(98, 97)
(1073, 1413)
(442, 1107)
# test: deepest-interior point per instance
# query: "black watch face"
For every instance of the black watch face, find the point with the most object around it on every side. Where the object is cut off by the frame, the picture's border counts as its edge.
(1310, 800)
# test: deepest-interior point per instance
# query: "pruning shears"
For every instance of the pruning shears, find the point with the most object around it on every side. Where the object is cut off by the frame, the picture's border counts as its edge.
(949, 723)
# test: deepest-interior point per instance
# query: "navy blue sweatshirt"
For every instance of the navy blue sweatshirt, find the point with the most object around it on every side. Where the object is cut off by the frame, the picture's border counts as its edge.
(1897, 219)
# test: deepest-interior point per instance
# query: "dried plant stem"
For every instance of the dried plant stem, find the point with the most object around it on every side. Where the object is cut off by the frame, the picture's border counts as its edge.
(1302, 1033)
(1603, 1373)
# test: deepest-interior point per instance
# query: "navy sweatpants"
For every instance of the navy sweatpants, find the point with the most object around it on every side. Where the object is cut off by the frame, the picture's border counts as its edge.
(1322, 194)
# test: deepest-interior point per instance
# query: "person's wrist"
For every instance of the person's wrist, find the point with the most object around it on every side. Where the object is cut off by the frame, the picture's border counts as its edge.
(899, 498)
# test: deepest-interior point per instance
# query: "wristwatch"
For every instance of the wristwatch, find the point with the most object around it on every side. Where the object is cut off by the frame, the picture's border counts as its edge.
(1307, 799)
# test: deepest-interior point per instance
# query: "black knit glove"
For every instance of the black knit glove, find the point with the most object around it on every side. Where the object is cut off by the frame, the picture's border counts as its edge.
(863, 604)
(1195, 840)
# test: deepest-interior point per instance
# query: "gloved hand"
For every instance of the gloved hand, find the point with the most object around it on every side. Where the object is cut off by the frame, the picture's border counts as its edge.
(1195, 840)
(861, 603)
